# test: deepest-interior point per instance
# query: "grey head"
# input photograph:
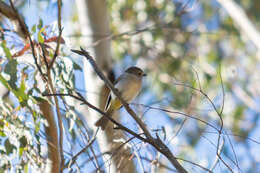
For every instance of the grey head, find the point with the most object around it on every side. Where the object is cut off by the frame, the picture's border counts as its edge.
(136, 71)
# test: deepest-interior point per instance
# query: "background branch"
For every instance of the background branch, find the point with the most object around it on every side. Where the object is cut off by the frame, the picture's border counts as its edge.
(241, 19)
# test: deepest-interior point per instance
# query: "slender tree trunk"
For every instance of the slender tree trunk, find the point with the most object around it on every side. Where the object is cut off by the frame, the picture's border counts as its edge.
(93, 19)
(53, 164)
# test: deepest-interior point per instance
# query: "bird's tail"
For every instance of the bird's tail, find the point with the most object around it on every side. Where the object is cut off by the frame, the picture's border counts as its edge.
(102, 122)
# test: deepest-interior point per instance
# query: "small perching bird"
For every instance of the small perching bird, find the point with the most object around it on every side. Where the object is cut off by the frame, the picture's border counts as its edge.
(128, 85)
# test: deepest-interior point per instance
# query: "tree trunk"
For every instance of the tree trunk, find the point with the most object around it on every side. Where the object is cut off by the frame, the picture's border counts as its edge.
(93, 19)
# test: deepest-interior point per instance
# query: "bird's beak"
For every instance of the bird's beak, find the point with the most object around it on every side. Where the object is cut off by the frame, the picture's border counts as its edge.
(144, 74)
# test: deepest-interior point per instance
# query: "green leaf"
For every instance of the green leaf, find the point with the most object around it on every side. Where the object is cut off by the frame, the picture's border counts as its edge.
(40, 37)
(39, 26)
(2, 124)
(21, 149)
(22, 95)
(23, 141)
(9, 147)
(37, 127)
(76, 66)
(2, 170)
(2, 151)
(26, 168)
(6, 50)
(40, 98)
(2, 134)
(5, 82)
(34, 29)
(11, 69)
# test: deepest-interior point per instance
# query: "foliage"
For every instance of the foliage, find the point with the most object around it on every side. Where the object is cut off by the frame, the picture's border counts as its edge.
(196, 59)
(23, 140)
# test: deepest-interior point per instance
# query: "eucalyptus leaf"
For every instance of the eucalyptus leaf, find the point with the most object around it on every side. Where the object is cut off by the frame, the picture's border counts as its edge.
(9, 147)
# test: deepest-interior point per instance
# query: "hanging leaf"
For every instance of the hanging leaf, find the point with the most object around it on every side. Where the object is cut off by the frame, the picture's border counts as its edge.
(39, 26)
(40, 37)
(21, 94)
(6, 50)
(11, 69)
(33, 29)
(9, 147)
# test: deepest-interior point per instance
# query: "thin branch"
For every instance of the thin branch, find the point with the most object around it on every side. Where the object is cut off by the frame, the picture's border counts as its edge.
(27, 35)
(74, 158)
(44, 55)
(180, 113)
(219, 113)
(117, 150)
(233, 150)
(217, 158)
(237, 135)
(59, 37)
(81, 98)
(13, 15)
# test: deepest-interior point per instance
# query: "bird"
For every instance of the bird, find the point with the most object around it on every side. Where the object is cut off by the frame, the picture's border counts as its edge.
(128, 85)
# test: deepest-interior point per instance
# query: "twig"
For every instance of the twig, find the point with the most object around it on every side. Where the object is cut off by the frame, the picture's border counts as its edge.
(80, 97)
(180, 113)
(13, 15)
(217, 158)
(27, 34)
(74, 158)
(59, 37)
(233, 150)
(44, 55)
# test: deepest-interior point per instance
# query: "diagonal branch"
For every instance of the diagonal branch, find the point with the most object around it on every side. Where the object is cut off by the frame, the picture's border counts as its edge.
(155, 142)
(11, 14)
(241, 19)
(114, 90)
(26, 35)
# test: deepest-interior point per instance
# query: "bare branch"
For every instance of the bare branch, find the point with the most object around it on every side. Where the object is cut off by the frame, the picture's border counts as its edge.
(27, 35)
(59, 37)
(11, 14)
(81, 98)
(74, 158)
